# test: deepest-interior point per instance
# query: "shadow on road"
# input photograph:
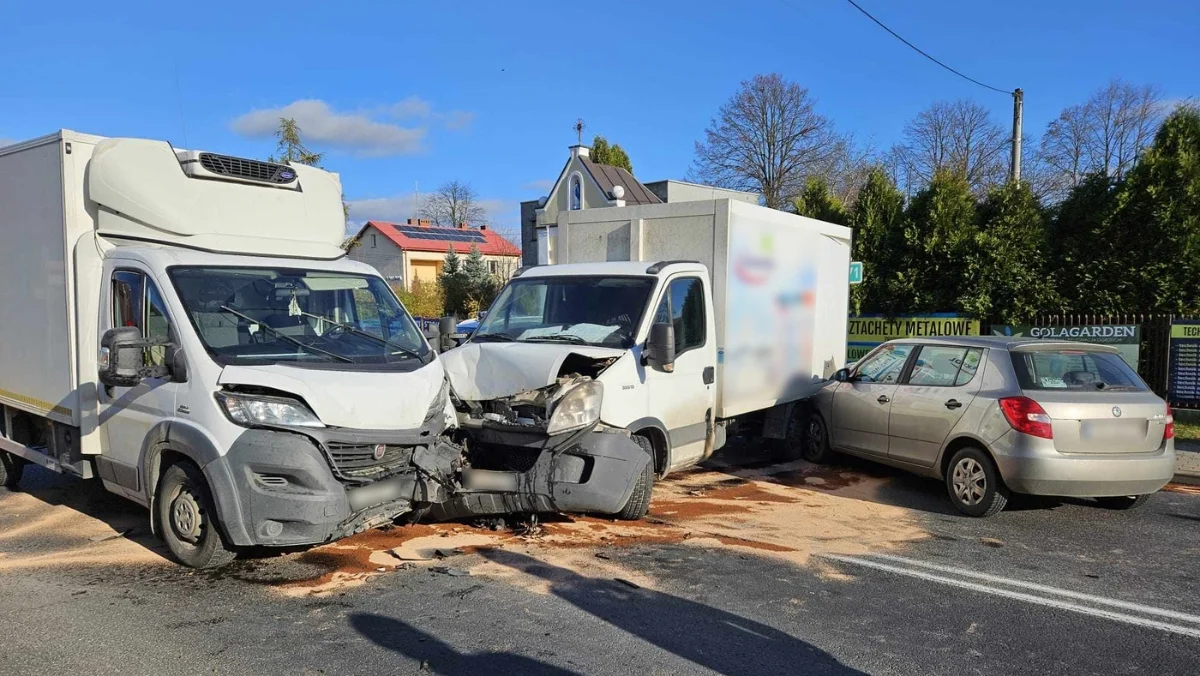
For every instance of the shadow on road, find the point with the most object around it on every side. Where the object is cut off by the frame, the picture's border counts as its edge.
(440, 658)
(708, 637)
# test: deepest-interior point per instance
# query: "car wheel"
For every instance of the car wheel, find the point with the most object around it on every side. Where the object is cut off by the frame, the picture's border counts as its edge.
(815, 440)
(11, 469)
(974, 483)
(639, 500)
(1123, 501)
(188, 519)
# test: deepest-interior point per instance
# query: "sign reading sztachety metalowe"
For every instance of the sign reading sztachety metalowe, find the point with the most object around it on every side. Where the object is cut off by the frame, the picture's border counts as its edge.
(865, 332)
(1126, 338)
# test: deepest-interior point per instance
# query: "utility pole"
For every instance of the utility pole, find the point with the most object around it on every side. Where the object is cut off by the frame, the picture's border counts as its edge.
(1018, 111)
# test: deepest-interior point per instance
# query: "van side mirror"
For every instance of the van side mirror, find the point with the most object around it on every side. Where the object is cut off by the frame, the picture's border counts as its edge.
(446, 329)
(122, 361)
(660, 348)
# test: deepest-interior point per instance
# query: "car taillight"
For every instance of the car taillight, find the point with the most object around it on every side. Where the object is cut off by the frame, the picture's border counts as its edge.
(1169, 430)
(1027, 417)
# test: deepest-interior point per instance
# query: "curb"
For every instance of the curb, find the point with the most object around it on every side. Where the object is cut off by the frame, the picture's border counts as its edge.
(1190, 479)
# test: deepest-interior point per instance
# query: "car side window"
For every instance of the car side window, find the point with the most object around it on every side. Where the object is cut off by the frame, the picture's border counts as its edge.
(970, 367)
(937, 366)
(884, 366)
(683, 307)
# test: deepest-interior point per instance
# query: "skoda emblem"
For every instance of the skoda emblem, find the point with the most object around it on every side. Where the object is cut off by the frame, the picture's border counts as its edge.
(380, 448)
(1116, 411)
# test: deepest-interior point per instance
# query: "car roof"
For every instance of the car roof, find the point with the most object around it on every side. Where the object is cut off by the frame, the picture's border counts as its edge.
(1004, 343)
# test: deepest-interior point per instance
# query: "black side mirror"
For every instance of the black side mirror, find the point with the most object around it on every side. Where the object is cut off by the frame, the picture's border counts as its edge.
(842, 375)
(660, 348)
(446, 329)
(123, 358)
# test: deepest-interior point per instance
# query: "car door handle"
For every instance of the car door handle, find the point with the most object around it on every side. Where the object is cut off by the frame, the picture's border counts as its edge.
(953, 404)
(883, 399)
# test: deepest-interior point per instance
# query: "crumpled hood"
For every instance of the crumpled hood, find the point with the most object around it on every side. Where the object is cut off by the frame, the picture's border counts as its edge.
(354, 399)
(482, 371)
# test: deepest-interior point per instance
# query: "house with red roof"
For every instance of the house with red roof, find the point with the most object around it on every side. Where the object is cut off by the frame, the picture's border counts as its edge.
(406, 252)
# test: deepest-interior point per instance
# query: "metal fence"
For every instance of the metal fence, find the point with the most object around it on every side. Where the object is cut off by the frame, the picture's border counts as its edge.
(1154, 355)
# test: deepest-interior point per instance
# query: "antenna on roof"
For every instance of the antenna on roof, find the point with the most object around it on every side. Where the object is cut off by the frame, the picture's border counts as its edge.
(579, 127)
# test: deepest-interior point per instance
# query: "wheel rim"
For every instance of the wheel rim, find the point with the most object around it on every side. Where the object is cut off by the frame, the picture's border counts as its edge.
(186, 517)
(816, 438)
(969, 481)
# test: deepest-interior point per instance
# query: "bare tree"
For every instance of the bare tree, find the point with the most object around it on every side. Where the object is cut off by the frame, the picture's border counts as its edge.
(956, 136)
(452, 203)
(847, 167)
(1104, 134)
(768, 138)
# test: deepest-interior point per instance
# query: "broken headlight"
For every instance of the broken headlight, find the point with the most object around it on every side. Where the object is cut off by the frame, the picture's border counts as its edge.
(248, 410)
(578, 407)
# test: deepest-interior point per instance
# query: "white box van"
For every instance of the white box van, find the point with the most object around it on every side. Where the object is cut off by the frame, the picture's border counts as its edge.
(667, 322)
(184, 327)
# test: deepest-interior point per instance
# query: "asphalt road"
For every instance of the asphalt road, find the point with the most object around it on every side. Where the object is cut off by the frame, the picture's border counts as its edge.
(740, 570)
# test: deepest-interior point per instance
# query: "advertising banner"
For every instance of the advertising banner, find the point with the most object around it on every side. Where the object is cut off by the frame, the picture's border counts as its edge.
(1183, 378)
(865, 332)
(1126, 338)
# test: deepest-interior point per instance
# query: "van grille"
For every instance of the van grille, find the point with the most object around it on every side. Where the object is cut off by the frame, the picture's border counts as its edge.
(253, 170)
(357, 461)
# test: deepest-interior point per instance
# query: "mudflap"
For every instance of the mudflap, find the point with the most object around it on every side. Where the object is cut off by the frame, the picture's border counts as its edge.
(595, 474)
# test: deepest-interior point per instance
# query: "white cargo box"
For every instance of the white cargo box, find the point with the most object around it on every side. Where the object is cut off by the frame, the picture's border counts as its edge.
(780, 285)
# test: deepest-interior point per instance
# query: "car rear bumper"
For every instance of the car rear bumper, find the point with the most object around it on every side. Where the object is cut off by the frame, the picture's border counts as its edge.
(1031, 465)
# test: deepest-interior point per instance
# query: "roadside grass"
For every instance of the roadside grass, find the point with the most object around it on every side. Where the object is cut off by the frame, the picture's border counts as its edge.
(1189, 431)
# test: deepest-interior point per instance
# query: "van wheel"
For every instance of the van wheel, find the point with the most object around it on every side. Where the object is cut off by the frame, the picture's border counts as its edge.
(187, 518)
(639, 500)
(11, 469)
(1123, 501)
(974, 483)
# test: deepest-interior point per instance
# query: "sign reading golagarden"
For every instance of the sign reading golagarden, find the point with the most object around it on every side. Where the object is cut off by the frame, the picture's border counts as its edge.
(867, 331)
(1126, 338)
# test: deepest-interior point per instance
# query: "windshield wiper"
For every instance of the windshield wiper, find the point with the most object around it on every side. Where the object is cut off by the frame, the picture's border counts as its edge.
(290, 339)
(559, 337)
(357, 331)
(492, 338)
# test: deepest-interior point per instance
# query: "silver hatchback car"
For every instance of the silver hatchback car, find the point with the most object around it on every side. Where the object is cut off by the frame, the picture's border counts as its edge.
(990, 415)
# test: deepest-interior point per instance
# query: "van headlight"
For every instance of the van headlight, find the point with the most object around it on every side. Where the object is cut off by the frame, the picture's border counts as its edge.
(577, 407)
(249, 410)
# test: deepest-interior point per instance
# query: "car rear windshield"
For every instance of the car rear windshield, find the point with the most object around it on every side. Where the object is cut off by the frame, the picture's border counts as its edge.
(1074, 369)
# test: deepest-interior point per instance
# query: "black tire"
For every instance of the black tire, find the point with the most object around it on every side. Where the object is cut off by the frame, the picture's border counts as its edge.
(812, 438)
(12, 469)
(639, 500)
(974, 484)
(187, 518)
(1123, 502)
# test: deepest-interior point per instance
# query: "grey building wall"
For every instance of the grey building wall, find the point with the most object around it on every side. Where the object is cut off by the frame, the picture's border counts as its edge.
(375, 249)
(529, 232)
(682, 191)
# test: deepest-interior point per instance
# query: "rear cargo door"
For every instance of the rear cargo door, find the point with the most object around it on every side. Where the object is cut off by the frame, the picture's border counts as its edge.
(127, 414)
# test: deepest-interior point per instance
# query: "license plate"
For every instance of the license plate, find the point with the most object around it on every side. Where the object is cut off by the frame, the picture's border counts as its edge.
(375, 494)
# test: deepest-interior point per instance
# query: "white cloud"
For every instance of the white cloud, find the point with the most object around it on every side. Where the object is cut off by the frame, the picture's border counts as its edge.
(413, 106)
(458, 120)
(320, 124)
(7, 142)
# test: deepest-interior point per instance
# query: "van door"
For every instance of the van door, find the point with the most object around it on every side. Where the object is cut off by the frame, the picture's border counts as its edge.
(684, 398)
(930, 401)
(131, 298)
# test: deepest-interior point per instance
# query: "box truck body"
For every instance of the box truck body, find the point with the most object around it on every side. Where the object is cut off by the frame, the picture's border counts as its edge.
(184, 327)
(755, 301)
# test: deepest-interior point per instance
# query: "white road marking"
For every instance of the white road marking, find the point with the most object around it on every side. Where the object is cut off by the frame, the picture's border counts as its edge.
(998, 579)
(1193, 632)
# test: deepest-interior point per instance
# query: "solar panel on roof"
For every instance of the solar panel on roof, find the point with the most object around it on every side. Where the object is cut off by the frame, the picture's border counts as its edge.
(441, 234)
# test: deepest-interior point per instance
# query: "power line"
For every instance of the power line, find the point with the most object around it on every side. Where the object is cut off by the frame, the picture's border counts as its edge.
(922, 52)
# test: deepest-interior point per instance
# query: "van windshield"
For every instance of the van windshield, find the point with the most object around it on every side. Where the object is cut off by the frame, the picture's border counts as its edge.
(587, 310)
(318, 318)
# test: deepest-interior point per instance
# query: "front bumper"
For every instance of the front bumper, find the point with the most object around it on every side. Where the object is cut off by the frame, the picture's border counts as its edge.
(277, 488)
(593, 472)
(1031, 465)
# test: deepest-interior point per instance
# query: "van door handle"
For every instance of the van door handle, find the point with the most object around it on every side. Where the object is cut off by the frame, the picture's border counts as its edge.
(883, 399)
(953, 404)
(709, 375)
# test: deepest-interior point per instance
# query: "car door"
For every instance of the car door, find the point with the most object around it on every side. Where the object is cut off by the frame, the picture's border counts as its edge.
(128, 413)
(862, 404)
(683, 398)
(930, 400)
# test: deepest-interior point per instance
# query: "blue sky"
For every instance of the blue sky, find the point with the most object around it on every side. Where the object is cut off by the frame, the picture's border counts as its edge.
(403, 96)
